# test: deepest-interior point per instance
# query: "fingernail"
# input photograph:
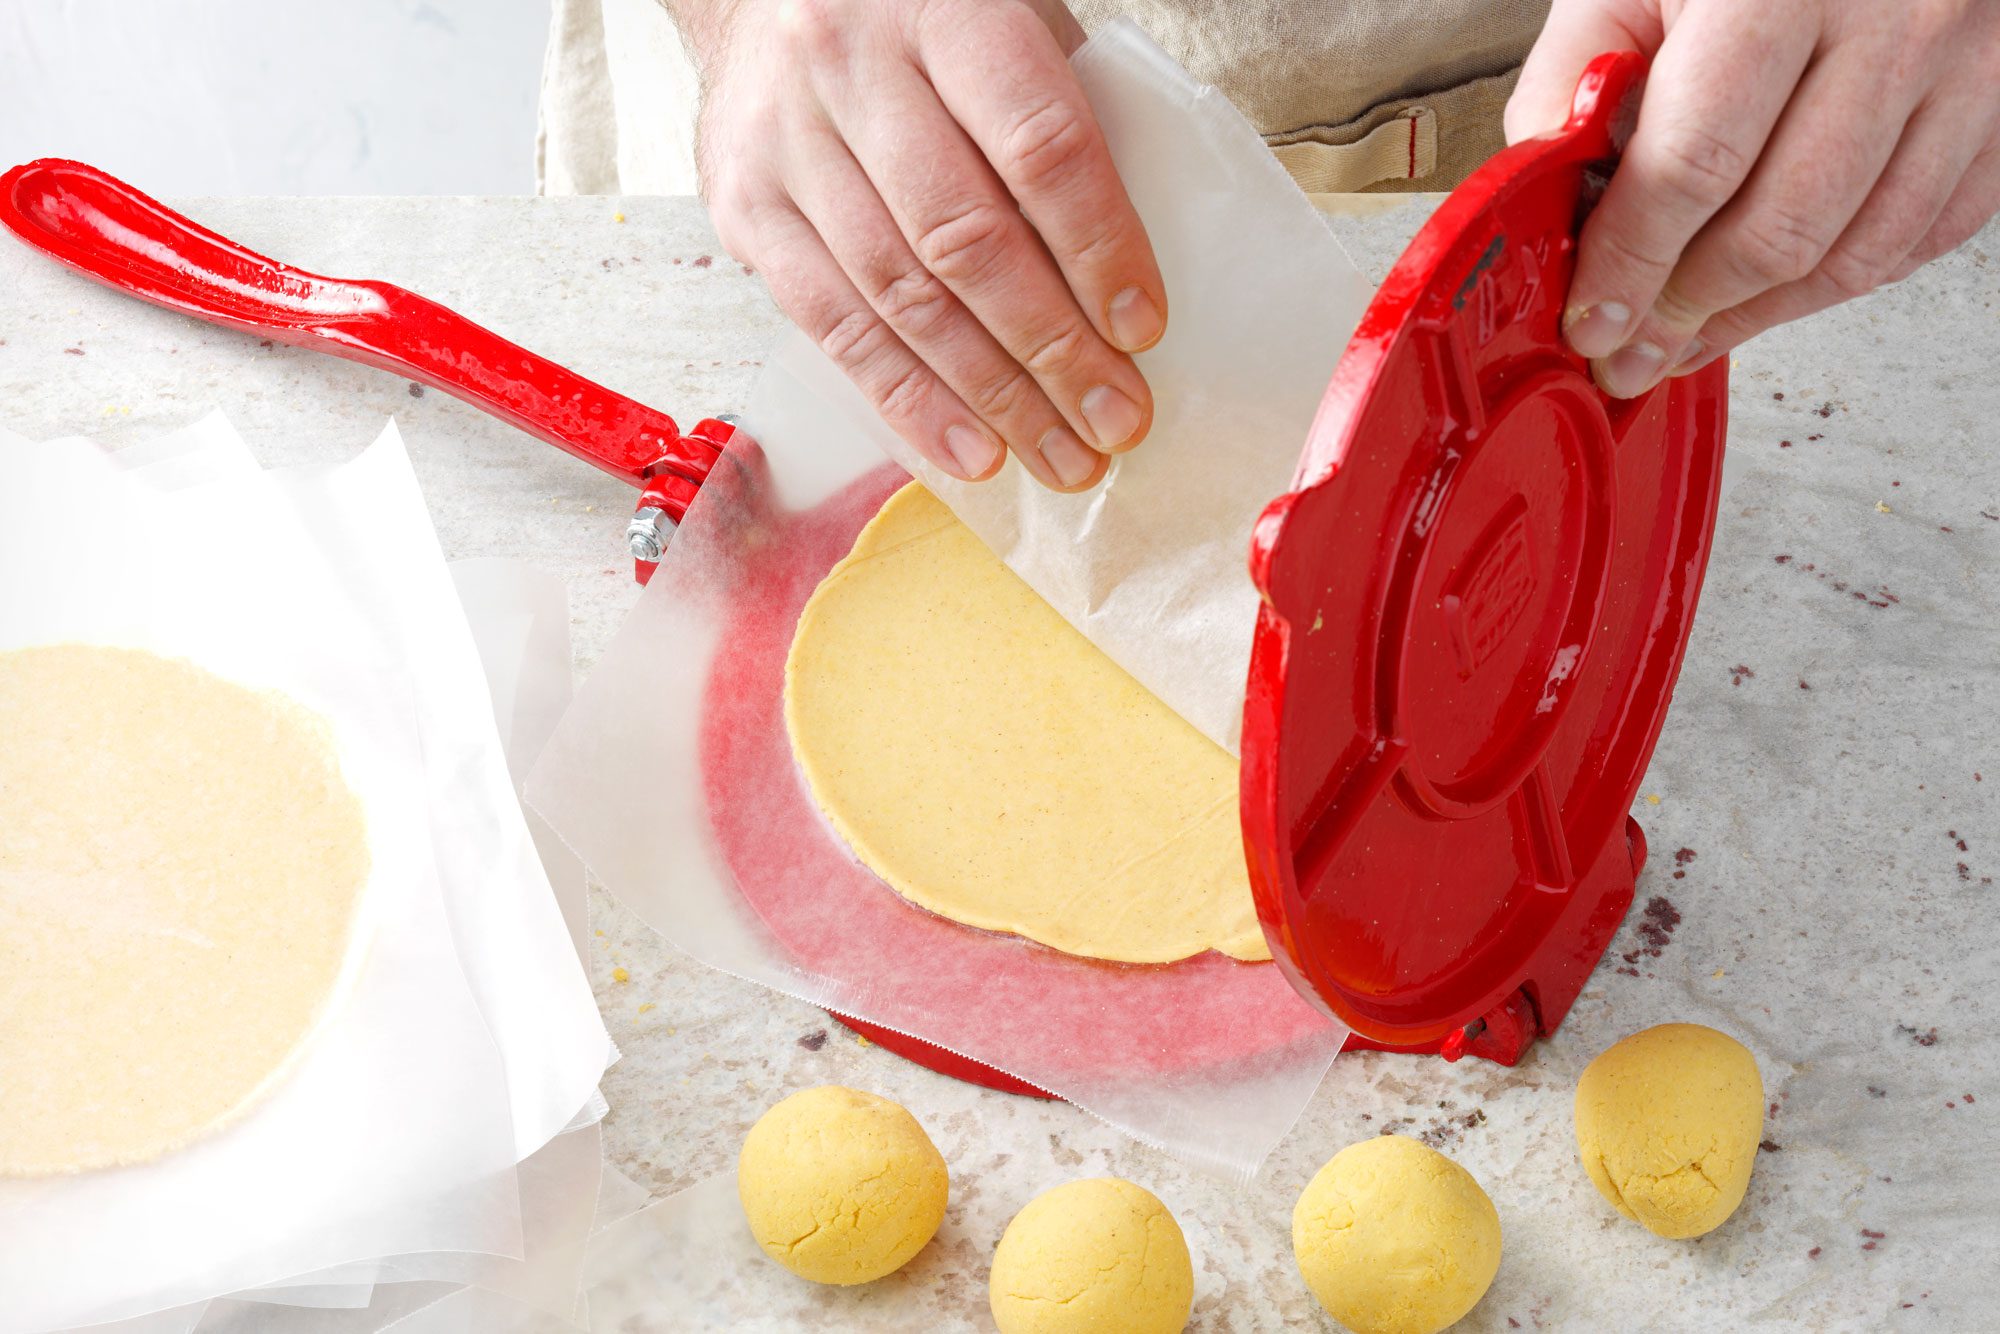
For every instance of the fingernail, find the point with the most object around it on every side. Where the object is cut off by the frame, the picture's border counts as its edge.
(1631, 371)
(973, 452)
(1136, 321)
(1597, 330)
(1068, 458)
(1113, 417)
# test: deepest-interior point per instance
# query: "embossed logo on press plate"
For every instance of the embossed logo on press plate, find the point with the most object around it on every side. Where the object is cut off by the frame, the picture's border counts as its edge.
(1488, 597)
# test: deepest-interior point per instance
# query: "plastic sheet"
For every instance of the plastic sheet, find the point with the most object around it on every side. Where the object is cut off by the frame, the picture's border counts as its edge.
(398, 1131)
(673, 778)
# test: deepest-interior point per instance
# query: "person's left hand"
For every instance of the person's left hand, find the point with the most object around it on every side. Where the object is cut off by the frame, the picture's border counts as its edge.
(1789, 155)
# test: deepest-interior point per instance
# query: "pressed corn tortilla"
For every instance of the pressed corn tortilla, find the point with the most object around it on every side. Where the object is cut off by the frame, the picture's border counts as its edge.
(993, 766)
(180, 864)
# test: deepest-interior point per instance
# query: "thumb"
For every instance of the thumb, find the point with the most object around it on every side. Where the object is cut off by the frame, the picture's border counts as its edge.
(1578, 31)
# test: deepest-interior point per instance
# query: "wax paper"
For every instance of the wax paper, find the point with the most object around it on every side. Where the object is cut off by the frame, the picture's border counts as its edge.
(672, 775)
(519, 619)
(401, 1092)
(398, 1133)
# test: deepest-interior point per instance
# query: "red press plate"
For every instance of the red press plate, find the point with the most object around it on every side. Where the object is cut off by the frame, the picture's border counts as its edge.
(1476, 602)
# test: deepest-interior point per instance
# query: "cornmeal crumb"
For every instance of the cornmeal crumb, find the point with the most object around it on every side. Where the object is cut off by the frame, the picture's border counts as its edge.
(620, 975)
(645, 1007)
(1653, 798)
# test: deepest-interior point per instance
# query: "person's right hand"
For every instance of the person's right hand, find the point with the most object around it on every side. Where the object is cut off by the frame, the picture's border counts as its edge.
(927, 192)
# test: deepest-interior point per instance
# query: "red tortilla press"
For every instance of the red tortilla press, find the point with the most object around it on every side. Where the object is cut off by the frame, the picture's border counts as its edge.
(1476, 596)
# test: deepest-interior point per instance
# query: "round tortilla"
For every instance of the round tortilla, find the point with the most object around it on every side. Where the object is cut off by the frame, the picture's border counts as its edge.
(180, 866)
(993, 766)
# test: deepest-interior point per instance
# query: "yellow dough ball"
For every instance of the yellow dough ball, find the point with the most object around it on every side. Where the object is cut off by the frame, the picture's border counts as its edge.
(1667, 1122)
(1395, 1238)
(1101, 1256)
(840, 1186)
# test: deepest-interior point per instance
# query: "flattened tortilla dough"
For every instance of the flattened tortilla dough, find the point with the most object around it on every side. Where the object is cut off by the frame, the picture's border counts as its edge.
(993, 766)
(180, 865)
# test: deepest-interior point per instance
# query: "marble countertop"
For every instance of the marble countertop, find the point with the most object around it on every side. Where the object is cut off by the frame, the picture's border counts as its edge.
(1821, 807)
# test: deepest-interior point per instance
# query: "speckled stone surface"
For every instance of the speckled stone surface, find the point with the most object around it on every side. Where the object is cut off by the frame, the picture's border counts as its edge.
(1824, 835)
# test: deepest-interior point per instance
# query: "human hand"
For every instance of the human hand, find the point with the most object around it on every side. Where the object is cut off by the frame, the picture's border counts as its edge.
(926, 190)
(1789, 155)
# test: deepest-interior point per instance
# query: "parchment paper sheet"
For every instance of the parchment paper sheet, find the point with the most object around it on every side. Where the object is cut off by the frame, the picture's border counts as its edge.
(397, 1134)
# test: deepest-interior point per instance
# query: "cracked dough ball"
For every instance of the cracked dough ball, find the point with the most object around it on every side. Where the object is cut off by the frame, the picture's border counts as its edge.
(1101, 1256)
(1395, 1238)
(1667, 1122)
(840, 1186)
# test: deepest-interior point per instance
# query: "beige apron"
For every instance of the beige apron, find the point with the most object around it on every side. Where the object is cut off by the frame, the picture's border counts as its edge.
(1352, 95)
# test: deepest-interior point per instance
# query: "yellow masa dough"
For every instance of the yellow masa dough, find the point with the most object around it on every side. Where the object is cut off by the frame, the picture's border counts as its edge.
(841, 1186)
(1667, 1123)
(180, 861)
(1099, 1256)
(992, 765)
(1395, 1238)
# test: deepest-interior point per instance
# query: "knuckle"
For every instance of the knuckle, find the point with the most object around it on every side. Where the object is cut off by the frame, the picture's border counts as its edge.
(1104, 245)
(1853, 271)
(1627, 255)
(1702, 165)
(817, 27)
(1004, 395)
(1673, 312)
(965, 242)
(753, 233)
(735, 246)
(852, 339)
(913, 301)
(904, 397)
(1056, 353)
(1778, 246)
(1923, 26)
(1045, 144)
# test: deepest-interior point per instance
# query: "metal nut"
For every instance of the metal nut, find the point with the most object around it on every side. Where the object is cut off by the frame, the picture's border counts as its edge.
(648, 534)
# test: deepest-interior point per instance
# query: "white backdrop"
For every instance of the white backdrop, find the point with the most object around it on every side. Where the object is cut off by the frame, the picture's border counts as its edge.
(189, 97)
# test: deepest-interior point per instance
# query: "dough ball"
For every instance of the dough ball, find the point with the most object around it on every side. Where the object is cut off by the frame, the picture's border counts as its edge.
(1395, 1238)
(840, 1186)
(1667, 1122)
(1100, 1256)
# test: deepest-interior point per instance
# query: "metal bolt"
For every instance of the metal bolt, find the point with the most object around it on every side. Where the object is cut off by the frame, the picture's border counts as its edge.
(648, 533)
(728, 417)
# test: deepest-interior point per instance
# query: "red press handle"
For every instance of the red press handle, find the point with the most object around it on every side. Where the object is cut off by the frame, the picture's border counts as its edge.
(104, 229)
